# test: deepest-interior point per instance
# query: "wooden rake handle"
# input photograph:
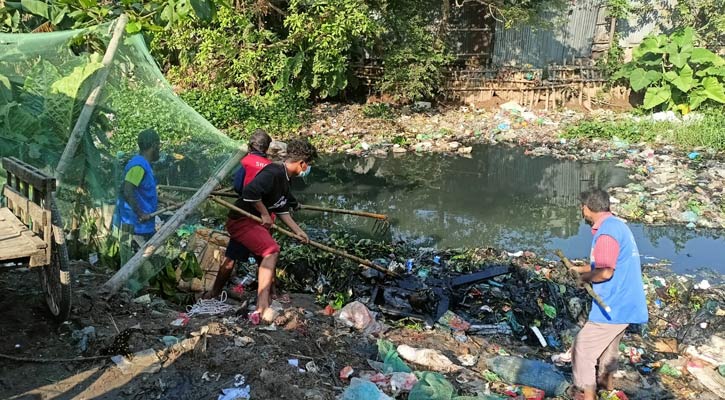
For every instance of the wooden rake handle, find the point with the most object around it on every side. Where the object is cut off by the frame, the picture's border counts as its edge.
(381, 217)
(312, 243)
(224, 193)
(170, 207)
(586, 285)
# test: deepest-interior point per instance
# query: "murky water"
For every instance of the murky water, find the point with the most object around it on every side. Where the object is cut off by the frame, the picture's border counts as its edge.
(499, 197)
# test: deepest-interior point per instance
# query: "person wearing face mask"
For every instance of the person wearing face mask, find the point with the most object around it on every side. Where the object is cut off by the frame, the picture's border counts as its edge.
(269, 192)
(616, 275)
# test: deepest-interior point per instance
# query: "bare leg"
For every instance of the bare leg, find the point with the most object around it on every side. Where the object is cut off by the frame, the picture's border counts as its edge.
(225, 271)
(265, 279)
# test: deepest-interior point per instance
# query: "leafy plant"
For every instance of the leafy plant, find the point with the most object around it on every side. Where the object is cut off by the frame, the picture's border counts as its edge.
(706, 130)
(378, 110)
(166, 281)
(148, 15)
(414, 55)
(706, 17)
(239, 115)
(627, 130)
(675, 74)
(612, 60)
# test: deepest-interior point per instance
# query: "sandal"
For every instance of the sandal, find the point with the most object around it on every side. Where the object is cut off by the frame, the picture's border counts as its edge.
(255, 317)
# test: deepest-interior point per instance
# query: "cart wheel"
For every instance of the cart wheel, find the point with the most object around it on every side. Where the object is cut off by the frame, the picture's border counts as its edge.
(55, 278)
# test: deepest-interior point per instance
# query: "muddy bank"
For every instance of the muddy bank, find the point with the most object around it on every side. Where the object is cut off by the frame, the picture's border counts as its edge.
(669, 185)
(199, 356)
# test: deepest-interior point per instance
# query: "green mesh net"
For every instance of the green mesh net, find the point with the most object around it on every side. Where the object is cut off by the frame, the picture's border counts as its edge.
(45, 79)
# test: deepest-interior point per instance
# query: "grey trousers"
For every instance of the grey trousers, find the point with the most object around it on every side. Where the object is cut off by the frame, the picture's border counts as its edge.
(596, 348)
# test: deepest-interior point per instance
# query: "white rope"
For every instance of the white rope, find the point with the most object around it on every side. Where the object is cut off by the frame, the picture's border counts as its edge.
(209, 306)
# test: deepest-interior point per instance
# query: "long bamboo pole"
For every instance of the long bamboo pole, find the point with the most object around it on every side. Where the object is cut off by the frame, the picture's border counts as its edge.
(586, 285)
(118, 279)
(87, 111)
(170, 207)
(312, 243)
(381, 217)
(223, 193)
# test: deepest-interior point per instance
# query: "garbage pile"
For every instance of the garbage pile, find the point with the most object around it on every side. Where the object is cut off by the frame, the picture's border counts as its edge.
(533, 305)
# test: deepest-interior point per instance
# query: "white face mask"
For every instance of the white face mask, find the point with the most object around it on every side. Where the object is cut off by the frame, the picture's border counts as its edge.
(305, 172)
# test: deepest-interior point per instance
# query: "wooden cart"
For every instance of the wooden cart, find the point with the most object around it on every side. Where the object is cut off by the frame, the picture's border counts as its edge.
(31, 232)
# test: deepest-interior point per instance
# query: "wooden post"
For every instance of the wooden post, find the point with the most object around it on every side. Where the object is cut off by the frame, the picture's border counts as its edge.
(87, 111)
(117, 280)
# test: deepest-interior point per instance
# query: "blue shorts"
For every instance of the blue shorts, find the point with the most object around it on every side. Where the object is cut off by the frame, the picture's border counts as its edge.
(236, 251)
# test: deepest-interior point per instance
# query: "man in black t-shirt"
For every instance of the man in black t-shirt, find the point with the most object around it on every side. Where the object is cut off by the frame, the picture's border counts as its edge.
(269, 192)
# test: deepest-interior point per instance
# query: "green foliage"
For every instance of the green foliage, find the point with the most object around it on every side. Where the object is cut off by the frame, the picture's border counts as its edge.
(148, 15)
(166, 281)
(378, 110)
(307, 55)
(706, 17)
(323, 35)
(414, 55)
(230, 51)
(627, 130)
(138, 107)
(706, 130)
(611, 62)
(39, 109)
(619, 8)
(674, 74)
(239, 115)
(529, 12)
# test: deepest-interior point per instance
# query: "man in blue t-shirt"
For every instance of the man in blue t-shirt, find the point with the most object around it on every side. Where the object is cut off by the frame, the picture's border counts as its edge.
(137, 200)
(616, 276)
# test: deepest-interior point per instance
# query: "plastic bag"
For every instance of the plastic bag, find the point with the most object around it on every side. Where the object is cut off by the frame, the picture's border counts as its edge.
(360, 389)
(391, 360)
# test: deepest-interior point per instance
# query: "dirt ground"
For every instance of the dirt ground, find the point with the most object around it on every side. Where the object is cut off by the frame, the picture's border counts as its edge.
(28, 331)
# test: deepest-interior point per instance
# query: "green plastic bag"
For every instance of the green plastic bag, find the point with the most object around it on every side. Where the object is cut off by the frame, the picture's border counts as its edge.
(549, 310)
(434, 386)
(391, 360)
(431, 386)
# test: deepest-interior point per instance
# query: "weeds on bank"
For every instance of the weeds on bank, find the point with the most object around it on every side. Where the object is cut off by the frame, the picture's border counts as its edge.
(705, 130)
(378, 110)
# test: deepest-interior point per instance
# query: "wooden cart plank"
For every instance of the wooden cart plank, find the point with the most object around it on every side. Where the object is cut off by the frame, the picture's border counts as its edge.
(23, 243)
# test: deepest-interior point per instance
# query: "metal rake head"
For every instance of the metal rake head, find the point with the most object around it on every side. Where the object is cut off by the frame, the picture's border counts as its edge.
(381, 227)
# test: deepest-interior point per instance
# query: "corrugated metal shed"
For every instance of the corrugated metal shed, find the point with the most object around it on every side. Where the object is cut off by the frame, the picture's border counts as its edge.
(539, 46)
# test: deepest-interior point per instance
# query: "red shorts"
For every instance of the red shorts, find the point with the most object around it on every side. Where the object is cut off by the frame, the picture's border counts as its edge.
(253, 236)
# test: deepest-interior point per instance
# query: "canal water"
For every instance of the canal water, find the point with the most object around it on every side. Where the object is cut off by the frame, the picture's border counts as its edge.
(498, 197)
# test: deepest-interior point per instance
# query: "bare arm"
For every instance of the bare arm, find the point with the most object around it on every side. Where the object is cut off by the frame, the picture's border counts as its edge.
(287, 219)
(597, 275)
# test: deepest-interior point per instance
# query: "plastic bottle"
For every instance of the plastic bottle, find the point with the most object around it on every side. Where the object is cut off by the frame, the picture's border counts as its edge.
(532, 373)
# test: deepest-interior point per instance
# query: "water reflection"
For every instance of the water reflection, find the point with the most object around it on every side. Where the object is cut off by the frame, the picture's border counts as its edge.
(499, 197)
